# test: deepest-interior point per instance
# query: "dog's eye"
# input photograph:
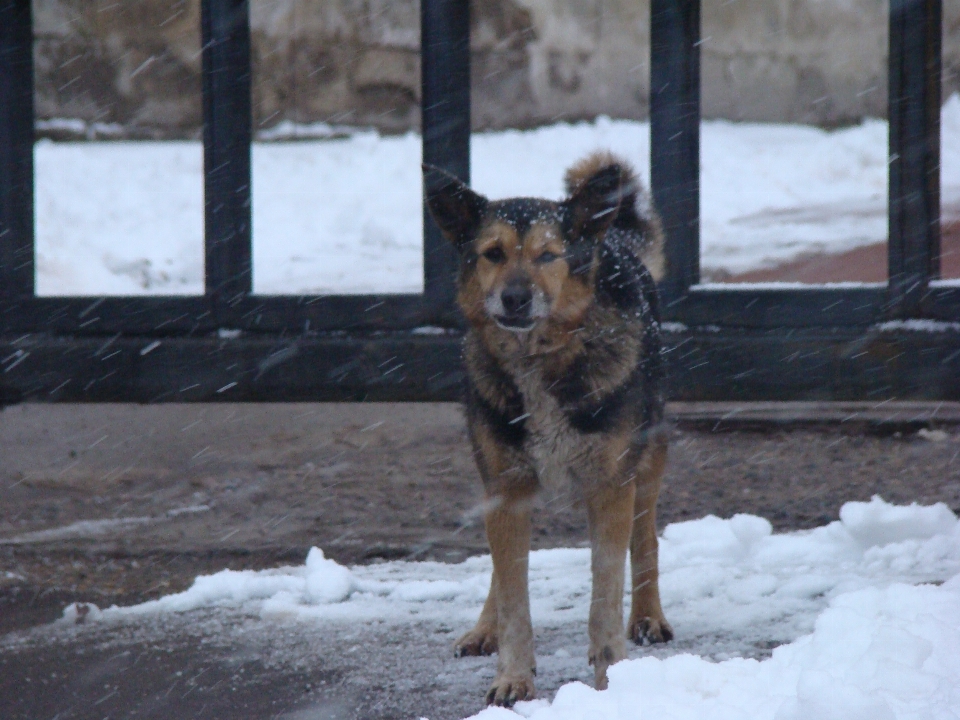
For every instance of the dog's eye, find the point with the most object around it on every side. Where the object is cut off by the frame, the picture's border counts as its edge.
(546, 257)
(495, 255)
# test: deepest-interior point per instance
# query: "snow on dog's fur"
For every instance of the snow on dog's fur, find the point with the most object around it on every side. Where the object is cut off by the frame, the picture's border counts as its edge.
(564, 390)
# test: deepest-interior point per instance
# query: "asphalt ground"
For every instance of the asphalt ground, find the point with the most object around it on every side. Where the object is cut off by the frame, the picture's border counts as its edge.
(118, 504)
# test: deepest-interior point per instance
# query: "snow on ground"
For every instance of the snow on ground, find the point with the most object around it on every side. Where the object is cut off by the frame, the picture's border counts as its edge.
(345, 215)
(858, 638)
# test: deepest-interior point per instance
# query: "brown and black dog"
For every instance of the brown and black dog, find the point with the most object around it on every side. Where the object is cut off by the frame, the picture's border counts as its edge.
(564, 390)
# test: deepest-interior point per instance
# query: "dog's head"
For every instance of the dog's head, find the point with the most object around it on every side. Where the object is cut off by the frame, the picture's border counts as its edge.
(525, 260)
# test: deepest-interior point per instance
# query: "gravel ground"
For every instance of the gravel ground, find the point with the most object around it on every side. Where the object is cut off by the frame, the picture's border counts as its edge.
(177, 491)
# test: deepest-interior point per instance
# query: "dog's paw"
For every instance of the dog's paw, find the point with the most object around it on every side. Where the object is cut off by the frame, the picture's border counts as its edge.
(479, 641)
(648, 630)
(604, 658)
(509, 689)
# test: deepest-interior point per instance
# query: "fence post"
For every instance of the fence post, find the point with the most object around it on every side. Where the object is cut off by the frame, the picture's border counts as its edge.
(226, 149)
(16, 155)
(445, 79)
(675, 138)
(914, 189)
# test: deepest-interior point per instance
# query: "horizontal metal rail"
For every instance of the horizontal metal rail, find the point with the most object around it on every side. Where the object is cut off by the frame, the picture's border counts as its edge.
(875, 363)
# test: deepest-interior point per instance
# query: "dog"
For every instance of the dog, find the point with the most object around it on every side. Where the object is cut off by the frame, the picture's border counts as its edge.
(564, 390)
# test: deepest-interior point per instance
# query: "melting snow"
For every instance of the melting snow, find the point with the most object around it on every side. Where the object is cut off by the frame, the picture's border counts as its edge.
(97, 528)
(858, 637)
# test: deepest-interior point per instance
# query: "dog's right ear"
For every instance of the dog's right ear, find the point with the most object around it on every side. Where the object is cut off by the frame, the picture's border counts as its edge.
(455, 208)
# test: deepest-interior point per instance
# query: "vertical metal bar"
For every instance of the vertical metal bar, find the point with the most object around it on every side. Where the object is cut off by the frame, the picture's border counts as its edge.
(16, 154)
(675, 137)
(226, 148)
(914, 111)
(445, 79)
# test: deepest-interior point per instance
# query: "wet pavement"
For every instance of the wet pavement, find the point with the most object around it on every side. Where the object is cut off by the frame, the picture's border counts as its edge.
(121, 504)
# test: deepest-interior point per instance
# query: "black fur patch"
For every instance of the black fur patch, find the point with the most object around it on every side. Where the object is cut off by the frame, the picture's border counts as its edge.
(455, 208)
(494, 398)
(597, 413)
(505, 426)
(580, 257)
(620, 276)
(522, 213)
(625, 282)
(651, 365)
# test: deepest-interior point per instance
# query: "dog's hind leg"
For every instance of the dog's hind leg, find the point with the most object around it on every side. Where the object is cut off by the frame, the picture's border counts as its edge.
(482, 640)
(647, 623)
(609, 511)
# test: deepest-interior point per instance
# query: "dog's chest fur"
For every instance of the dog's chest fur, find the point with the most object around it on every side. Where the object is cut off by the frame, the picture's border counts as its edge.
(562, 455)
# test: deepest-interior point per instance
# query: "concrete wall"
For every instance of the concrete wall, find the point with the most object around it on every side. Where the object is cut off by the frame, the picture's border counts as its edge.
(136, 64)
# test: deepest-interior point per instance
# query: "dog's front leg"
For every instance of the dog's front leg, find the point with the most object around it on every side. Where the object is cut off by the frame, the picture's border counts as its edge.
(508, 532)
(610, 513)
(482, 640)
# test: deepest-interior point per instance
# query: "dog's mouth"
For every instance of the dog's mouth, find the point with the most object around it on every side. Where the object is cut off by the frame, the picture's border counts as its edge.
(514, 323)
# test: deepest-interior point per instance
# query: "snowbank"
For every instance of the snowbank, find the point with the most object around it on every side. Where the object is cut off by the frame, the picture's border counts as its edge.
(729, 587)
(874, 654)
(731, 579)
(345, 216)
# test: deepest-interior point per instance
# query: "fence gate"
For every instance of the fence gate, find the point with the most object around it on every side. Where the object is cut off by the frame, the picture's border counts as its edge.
(899, 339)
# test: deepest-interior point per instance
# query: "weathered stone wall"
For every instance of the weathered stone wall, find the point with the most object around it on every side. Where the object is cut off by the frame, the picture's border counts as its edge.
(136, 64)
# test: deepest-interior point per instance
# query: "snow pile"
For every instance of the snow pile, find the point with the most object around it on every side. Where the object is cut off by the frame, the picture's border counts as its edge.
(879, 648)
(345, 215)
(730, 584)
(874, 654)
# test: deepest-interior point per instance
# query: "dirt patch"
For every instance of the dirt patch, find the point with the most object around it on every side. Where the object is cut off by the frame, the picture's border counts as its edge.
(863, 264)
(120, 504)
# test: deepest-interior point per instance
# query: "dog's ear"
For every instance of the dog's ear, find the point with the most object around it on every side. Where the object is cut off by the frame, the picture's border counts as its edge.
(455, 208)
(592, 207)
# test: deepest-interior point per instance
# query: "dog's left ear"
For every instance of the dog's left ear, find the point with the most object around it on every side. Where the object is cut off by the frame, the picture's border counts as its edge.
(455, 208)
(590, 210)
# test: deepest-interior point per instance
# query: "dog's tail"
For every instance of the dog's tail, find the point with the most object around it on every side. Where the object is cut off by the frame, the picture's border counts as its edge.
(636, 216)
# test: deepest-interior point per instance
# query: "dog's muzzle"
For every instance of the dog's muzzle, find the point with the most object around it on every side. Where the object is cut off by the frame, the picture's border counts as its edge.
(516, 301)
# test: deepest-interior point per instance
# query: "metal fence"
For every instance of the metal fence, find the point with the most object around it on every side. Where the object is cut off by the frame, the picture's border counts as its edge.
(748, 343)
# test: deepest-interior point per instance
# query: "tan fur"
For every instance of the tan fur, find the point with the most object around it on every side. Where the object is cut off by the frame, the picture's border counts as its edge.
(535, 376)
(646, 622)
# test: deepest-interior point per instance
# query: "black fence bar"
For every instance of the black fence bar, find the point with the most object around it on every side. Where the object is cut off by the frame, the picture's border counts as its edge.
(675, 138)
(914, 110)
(16, 155)
(445, 117)
(226, 148)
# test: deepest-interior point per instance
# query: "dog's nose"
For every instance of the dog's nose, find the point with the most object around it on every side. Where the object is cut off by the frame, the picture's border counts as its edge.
(516, 299)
